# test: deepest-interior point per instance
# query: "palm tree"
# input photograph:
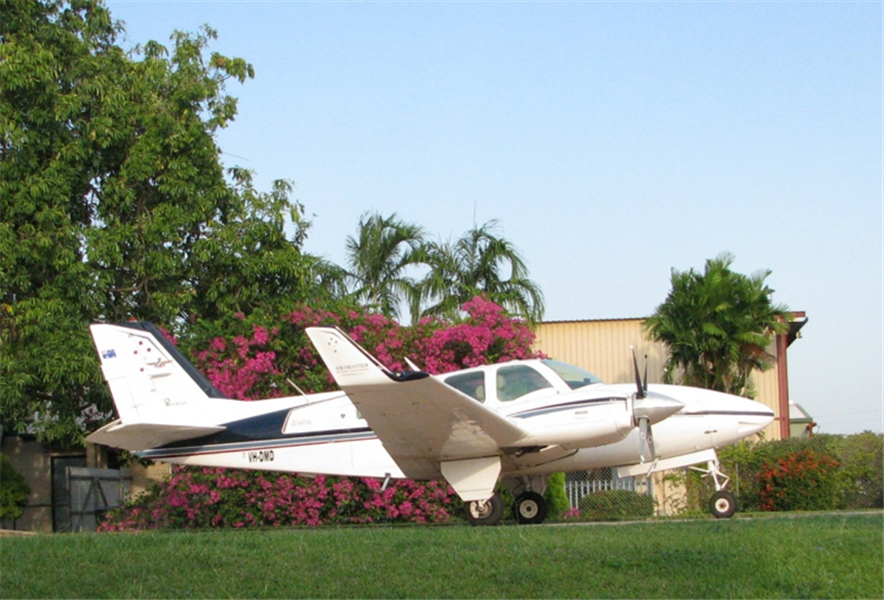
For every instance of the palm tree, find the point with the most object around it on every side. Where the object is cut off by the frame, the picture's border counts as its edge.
(717, 326)
(479, 263)
(379, 258)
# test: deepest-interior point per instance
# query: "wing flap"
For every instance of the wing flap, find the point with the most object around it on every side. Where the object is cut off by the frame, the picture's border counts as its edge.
(142, 436)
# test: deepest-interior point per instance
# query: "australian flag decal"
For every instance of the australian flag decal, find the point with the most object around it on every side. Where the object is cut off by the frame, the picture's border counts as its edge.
(109, 354)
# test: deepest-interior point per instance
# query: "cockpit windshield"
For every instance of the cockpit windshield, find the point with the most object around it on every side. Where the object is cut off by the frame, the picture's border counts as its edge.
(575, 377)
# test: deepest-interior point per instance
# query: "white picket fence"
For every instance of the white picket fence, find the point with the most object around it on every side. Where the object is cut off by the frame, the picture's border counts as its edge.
(577, 488)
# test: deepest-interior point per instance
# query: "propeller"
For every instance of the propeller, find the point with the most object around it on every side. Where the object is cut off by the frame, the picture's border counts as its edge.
(641, 418)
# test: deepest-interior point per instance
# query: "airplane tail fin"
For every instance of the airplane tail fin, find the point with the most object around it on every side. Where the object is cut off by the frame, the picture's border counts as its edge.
(160, 397)
(348, 362)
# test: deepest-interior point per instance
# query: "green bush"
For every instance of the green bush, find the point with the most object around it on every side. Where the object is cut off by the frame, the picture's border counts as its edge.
(14, 491)
(612, 505)
(858, 481)
(556, 497)
(862, 468)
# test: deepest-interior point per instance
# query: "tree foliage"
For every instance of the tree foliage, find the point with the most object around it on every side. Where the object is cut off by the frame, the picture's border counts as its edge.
(14, 491)
(717, 326)
(387, 255)
(480, 262)
(379, 258)
(115, 203)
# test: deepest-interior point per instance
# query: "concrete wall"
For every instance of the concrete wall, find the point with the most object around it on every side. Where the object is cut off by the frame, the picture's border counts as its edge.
(32, 460)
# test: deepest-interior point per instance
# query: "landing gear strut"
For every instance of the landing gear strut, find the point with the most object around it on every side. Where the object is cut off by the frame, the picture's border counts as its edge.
(723, 504)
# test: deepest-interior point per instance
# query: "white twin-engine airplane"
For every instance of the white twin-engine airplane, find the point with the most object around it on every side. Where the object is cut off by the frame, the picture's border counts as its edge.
(514, 422)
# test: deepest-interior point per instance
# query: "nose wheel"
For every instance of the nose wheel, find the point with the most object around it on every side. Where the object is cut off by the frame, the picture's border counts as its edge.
(722, 504)
(530, 508)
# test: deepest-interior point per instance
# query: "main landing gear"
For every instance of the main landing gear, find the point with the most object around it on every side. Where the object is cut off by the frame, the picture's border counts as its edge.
(529, 505)
(722, 504)
(529, 508)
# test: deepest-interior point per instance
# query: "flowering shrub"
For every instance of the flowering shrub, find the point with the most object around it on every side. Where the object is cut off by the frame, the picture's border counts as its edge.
(203, 497)
(806, 480)
(256, 358)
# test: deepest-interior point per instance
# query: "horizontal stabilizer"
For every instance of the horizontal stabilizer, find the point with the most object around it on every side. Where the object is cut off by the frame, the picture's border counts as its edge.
(142, 436)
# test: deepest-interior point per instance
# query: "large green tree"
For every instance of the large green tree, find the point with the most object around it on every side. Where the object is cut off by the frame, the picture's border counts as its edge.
(479, 263)
(115, 203)
(717, 326)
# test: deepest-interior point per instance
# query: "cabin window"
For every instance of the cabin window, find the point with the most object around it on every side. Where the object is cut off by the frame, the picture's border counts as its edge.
(516, 381)
(471, 384)
(575, 377)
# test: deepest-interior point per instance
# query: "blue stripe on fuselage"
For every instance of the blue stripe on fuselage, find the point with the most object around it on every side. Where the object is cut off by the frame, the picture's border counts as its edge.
(190, 447)
(544, 410)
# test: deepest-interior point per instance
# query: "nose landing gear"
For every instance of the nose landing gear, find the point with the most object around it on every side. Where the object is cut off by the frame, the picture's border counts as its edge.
(722, 504)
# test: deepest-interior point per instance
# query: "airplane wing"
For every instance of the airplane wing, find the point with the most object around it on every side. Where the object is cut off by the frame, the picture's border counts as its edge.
(429, 428)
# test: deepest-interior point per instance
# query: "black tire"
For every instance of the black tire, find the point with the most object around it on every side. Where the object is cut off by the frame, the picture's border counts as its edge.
(530, 508)
(722, 505)
(485, 513)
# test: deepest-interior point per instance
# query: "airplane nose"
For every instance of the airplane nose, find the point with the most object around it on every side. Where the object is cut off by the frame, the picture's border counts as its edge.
(656, 408)
(754, 417)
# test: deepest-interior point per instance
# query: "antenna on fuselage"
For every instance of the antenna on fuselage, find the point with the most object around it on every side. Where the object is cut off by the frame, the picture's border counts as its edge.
(292, 383)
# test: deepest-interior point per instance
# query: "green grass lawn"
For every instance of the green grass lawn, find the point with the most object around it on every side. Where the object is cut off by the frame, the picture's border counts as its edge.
(807, 556)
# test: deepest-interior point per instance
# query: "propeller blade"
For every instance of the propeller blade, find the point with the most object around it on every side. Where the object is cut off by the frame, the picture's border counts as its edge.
(645, 380)
(630, 408)
(640, 387)
(646, 440)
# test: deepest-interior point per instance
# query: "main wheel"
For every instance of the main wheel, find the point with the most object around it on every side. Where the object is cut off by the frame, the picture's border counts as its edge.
(530, 508)
(485, 513)
(722, 504)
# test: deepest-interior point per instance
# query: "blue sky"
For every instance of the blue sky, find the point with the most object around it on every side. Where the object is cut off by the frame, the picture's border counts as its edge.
(612, 140)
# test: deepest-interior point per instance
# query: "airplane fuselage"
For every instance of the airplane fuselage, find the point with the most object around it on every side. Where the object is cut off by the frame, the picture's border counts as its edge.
(326, 432)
